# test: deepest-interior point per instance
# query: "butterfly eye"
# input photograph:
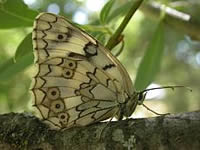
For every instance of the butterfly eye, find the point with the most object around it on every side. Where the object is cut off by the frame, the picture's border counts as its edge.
(140, 97)
(57, 106)
(53, 93)
(63, 117)
(68, 73)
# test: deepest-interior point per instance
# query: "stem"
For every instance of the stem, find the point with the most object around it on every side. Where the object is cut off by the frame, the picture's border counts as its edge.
(113, 41)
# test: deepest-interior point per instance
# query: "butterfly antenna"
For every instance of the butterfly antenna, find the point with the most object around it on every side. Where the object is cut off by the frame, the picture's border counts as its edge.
(142, 97)
(167, 87)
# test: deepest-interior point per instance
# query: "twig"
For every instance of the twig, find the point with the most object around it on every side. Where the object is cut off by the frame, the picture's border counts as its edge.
(113, 41)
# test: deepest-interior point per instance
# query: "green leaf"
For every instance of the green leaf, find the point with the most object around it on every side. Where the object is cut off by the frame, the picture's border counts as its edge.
(105, 11)
(23, 59)
(151, 61)
(25, 47)
(119, 11)
(14, 13)
(10, 68)
(94, 28)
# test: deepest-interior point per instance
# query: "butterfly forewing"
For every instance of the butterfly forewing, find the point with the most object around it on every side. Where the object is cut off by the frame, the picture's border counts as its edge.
(78, 82)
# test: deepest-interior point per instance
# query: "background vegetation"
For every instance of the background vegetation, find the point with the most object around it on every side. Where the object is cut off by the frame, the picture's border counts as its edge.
(177, 64)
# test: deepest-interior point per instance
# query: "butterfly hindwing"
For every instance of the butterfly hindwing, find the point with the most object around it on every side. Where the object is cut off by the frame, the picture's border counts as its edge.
(78, 81)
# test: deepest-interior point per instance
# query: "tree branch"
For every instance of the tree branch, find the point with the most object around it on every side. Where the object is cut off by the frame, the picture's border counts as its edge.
(178, 132)
(180, 21)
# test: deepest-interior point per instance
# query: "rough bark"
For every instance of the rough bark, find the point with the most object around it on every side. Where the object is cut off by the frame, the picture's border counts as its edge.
(168, 132)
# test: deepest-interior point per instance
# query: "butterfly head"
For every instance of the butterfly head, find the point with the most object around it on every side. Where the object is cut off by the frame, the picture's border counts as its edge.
(131, 103)
(127, 108)
(137, 98)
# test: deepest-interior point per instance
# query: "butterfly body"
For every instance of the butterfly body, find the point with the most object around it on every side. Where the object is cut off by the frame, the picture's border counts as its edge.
(79, 81)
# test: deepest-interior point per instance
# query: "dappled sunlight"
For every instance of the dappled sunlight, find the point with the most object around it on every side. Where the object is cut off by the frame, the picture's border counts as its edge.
(94, 5)
(53, 8)
(180, 63)
(80, 17)
(155, 94)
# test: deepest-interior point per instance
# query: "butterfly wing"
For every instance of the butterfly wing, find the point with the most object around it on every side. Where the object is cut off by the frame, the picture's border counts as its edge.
(78, 81)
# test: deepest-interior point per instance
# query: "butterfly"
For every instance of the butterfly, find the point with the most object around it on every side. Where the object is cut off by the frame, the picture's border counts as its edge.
(79, 81)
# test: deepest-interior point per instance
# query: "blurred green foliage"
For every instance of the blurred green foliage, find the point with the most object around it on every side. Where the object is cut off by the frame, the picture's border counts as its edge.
(168, 57)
